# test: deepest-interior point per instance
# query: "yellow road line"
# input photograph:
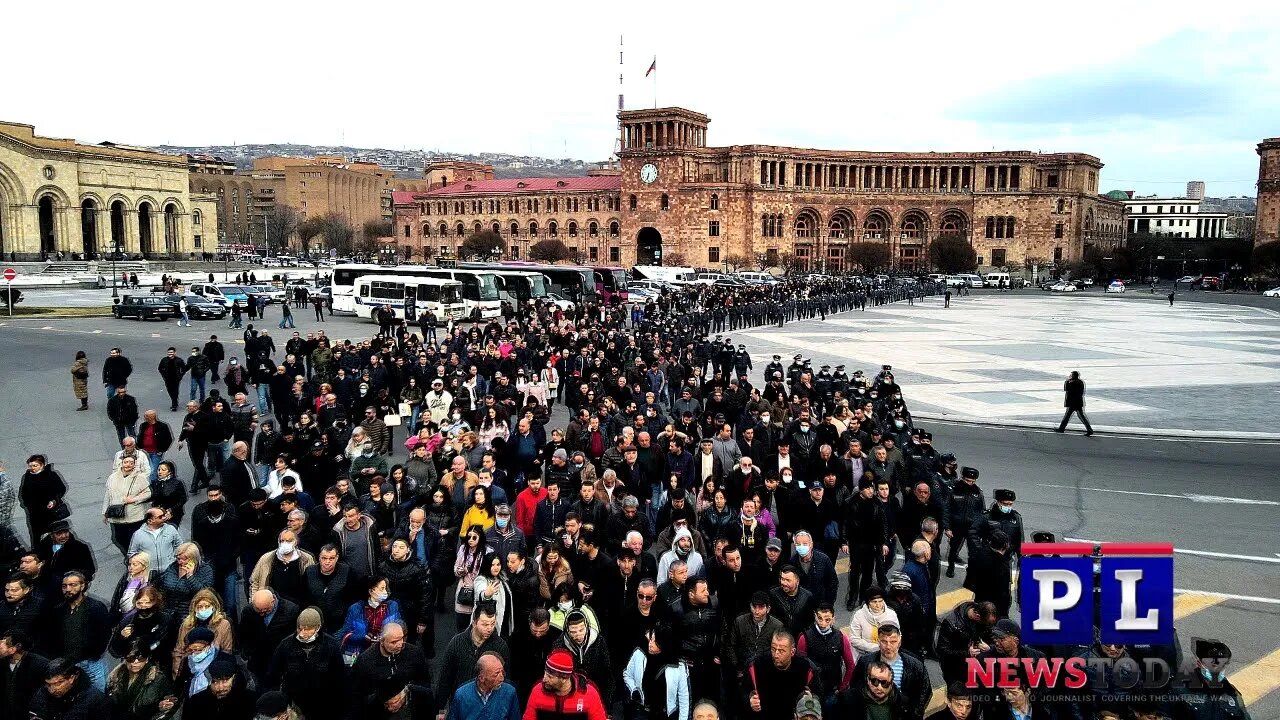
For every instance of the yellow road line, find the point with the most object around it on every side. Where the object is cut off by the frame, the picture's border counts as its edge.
(1186, 604)
(949, 600)
(1257, 679)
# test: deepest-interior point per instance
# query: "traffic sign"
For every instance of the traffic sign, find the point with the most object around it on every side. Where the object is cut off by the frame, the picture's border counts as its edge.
(10, 274)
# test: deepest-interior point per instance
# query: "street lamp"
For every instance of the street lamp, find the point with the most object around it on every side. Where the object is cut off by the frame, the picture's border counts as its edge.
(115, 252)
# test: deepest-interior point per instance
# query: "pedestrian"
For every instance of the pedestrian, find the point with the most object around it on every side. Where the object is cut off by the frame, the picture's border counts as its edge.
(946, 298)
(198, 366)
(1171, 294)
(125, 502)
(80, 379)
(286, 316)
(236, 313)
(116, 370)
(41, 494)
(215, 354)
(183, 320)
(1073, 389)
(122, 409)
(317, 302)
(171, 369)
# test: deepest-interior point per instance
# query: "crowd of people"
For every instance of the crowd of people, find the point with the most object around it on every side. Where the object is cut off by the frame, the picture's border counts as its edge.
(668, 553)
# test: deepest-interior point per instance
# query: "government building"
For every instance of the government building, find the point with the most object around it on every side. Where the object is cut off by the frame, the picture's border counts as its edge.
(672, 196)
(82, 201)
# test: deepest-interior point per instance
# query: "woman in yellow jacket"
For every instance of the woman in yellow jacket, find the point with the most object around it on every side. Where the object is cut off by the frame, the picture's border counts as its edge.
(480, 512)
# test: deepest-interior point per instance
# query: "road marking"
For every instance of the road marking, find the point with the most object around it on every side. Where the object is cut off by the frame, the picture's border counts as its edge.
(97, 332)
(1257, 679)
(47, 327)
(1193, 497)
(1202, 553)
(1188, 603)
(949, 600)
(1229, 596)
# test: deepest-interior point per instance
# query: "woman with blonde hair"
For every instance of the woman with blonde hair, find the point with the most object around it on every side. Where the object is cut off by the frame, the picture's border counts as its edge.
(138, 574)
(125, 503)
(206, 612)
(188, 575)
(553, 571)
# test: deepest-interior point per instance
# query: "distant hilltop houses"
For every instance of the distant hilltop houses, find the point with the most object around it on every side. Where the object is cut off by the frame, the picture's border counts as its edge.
(408, 163)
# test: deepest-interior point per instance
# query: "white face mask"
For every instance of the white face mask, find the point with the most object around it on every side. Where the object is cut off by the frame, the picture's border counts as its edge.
(285, 548)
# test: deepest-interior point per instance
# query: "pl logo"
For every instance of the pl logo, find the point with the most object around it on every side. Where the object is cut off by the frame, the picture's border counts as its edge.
(1133, 583)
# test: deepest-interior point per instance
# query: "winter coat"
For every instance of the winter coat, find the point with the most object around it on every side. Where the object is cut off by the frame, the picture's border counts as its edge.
(80, 379)
(136, 486)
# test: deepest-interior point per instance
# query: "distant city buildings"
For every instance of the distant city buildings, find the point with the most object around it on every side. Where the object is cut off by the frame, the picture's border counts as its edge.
(1173, 217)
(1195, 189)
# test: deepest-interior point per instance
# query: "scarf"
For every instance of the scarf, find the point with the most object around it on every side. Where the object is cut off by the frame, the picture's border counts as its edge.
(200, 671)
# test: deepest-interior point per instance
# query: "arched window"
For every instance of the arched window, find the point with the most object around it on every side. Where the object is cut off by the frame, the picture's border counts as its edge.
(496, 228)
(593, 229)
(459, 229)
(666, 201)
(806, 224)
(614, 229)
(444, 229)
(196, 217)
(426, 230)
(631, 202)
(715, 202)
(475, 227)
(1062, 204)
(515, 229)
(533, 229)
(553, 229)
(573, 229)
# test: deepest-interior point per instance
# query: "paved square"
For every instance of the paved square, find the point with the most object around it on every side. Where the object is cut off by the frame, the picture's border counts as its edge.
(1005, 357)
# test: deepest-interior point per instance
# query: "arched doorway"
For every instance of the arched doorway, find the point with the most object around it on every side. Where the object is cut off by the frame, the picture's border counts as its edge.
(117, 227)
(48, 238)
(170, 230)
(649, 247)
(144, 230)
(89, 228)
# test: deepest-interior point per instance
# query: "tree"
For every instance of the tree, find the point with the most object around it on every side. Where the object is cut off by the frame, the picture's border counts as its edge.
(282, 224)
(1266, 259)
(675, 258)
(338, 233)
(789, 263)
(869, 256)
(408, 252)
(378, 228)
(952, 255)
(483, 245)
(550, 250)
(736, 262)
(762, 261)
(308, 230)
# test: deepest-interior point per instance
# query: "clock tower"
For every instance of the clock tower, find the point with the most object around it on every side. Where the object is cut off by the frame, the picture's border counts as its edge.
(656, 145)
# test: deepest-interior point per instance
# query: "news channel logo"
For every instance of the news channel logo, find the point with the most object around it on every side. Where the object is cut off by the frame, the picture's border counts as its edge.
(1125, 588)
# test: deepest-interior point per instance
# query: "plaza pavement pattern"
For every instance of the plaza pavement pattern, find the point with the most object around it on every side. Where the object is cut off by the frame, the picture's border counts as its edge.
(1004, 358)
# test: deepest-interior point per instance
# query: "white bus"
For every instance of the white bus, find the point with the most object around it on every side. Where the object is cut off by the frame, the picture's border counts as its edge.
(514, 285)
(479, 288)
(443, 297)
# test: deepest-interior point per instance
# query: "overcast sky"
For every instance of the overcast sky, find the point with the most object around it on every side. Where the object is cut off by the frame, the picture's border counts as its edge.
(1161, 93)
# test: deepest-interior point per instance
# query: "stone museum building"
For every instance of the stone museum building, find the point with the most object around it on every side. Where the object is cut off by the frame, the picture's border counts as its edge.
(1268, 215)
(672, 195)
(59, 196)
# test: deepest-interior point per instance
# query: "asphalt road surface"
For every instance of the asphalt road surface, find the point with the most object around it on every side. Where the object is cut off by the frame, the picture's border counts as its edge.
(1216, 502)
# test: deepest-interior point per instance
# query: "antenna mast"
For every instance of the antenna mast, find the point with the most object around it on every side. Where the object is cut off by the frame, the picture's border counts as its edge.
(617, 143)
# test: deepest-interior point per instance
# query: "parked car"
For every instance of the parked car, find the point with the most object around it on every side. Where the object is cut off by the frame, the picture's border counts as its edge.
(272, 293)
(1188, 279)
(5, 294)
(145, 307)
(1210, 282)
(563, 302)
(198, 308)
(1087, 282)
(1115, 287)
(1273, 292)
(1063, 286)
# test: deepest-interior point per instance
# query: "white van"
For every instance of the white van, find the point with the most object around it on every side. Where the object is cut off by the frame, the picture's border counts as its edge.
(664, 273)
(993, 279)
(973, 281)
(758, 278)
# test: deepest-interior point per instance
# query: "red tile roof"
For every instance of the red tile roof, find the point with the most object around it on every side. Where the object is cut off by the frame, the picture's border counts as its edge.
(514, 186)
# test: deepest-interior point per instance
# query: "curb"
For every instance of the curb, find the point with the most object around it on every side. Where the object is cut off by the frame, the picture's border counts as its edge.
(1113, 430)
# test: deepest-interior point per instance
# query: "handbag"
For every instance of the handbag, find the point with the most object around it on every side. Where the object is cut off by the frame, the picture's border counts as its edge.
(406, 410)
(466, 596)
(115, 511)
(391, 420)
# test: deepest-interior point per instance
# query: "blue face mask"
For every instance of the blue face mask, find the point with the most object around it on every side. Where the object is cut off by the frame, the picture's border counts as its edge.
(1006, 508)
(1210, 675)
(502, 522)
(201, 656)
(57, 547)
(802, 550)
(204, 614)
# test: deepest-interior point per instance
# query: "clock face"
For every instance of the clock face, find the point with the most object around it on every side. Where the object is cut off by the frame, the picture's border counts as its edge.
(648, 173)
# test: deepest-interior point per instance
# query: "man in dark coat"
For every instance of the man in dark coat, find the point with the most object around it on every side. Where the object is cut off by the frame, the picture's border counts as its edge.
(171, 369)
(116, 370)
(263, 626)
(215, 354)
(122, 409)
(22, 673)
(62, 552)
(915, 685)
(1073, 389)
(67, 694)
(990, 573)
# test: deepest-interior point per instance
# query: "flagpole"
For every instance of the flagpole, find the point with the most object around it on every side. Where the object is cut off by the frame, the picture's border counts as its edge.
(655, 82)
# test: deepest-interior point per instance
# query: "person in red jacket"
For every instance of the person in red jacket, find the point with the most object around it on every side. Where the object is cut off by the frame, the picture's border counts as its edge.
(563, 694)
(527, 506)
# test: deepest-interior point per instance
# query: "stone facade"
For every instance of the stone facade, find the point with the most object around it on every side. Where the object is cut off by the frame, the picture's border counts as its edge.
(677, 197)
(1268, 216)
(57, 195)
(313, 186)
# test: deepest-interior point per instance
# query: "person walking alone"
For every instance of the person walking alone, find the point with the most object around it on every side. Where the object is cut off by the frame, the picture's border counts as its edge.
(1074, 402)
(286, 316)
(80, 379)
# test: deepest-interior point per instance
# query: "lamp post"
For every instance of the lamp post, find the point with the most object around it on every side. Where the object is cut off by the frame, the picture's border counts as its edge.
(115, 252)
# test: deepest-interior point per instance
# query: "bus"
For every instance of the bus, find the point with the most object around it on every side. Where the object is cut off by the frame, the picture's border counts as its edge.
(443, 297)
(611, 281)
(574, 282)
(479, 289)
(514, 285)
